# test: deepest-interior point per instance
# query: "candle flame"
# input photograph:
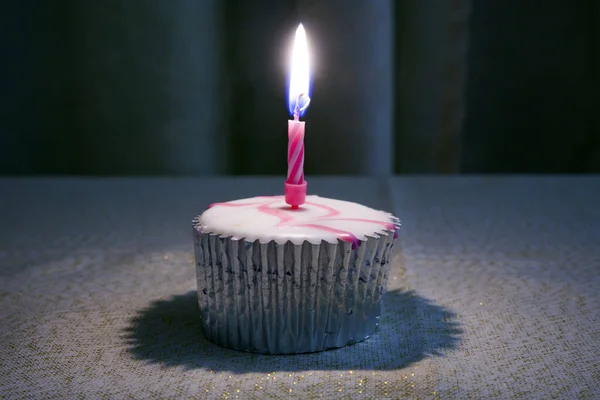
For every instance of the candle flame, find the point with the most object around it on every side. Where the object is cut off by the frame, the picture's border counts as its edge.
(299, 87)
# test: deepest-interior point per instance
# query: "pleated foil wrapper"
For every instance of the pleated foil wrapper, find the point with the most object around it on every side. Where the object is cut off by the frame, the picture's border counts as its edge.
(275, 298)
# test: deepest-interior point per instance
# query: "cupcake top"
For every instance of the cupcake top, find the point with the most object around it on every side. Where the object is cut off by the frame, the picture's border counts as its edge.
(268, 218)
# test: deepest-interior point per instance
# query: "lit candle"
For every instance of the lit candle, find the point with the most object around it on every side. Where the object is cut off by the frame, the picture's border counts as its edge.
(298, 101)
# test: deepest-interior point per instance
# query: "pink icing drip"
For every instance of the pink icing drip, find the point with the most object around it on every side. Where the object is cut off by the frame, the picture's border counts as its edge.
(286, 218)
(343, 235)
(232, 204)
(387, 225)
(331, 212)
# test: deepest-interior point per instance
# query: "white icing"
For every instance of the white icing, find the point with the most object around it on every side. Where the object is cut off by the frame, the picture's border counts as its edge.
(270, 218)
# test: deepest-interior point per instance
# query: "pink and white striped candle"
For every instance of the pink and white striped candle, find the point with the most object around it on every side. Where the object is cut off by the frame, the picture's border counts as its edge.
(295, 174)
(298, 101)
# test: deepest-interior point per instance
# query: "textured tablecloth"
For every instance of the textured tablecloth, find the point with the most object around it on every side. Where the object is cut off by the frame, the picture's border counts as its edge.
(496, 293)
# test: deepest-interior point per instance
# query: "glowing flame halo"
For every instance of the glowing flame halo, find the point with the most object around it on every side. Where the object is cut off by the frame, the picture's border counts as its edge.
(299, 84)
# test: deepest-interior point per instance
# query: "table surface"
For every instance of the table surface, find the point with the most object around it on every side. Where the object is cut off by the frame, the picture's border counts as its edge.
(495, 293)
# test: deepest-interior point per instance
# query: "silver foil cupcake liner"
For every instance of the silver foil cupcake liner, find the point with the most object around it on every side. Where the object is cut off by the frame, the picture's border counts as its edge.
(275, 298)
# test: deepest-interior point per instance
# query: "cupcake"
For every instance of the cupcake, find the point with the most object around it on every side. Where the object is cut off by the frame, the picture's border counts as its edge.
(277, 280)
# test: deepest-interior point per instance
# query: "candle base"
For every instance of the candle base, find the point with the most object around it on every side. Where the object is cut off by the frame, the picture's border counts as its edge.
(295, 194)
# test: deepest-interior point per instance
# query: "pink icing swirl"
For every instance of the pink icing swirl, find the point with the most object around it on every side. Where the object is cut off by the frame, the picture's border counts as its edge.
(287, 217)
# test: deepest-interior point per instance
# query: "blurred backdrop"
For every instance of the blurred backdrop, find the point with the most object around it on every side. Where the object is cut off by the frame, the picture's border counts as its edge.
(198, 86)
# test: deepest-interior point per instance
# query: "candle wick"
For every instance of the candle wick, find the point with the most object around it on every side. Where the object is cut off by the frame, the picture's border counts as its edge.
(306, 103)
(297, 109)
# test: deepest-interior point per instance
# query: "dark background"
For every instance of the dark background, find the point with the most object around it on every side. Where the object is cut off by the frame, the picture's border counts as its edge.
(198, 87)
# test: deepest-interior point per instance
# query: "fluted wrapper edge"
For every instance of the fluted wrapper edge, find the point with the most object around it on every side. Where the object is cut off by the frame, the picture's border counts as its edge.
(273, 298)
